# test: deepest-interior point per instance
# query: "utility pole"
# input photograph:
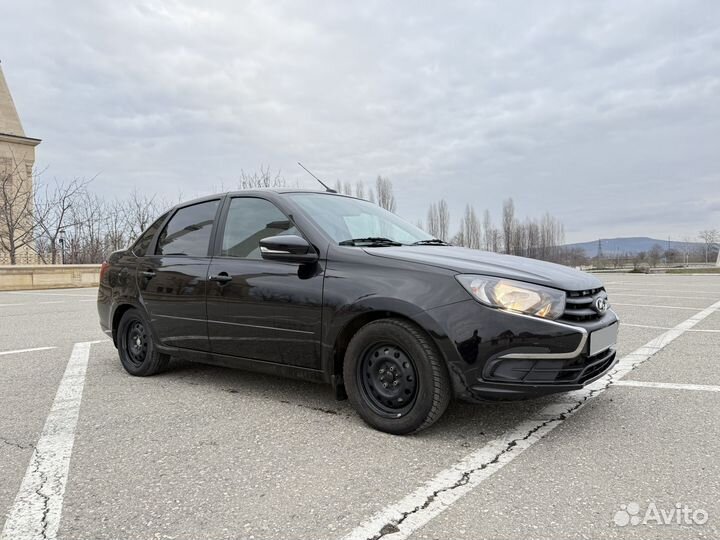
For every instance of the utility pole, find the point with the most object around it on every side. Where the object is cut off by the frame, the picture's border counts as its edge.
(61, 234)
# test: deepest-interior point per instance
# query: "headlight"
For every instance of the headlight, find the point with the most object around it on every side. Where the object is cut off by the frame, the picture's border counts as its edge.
(515, 295)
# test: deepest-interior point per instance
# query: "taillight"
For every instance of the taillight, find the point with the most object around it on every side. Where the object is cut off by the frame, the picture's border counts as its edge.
(103, 269)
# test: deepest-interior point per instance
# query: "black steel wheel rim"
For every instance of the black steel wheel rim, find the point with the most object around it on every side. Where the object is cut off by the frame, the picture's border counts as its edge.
(136, 343)
(388, 380)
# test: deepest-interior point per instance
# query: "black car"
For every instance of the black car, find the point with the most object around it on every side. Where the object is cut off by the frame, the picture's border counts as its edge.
(330, 288)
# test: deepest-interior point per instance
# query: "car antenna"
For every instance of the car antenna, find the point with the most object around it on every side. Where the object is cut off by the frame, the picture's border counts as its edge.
(329, 190)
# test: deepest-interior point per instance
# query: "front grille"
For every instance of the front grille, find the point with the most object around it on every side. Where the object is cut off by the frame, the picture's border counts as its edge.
(579, 305)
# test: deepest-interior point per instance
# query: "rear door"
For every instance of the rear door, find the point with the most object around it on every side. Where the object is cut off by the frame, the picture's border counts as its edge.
(173, 279)
(265, 310)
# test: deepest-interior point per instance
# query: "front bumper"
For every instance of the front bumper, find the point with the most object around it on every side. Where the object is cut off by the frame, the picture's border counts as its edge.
(537, 377)
(497, 355)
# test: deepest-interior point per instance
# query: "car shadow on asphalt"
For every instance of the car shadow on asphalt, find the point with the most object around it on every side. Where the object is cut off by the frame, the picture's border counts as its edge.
(462, 421)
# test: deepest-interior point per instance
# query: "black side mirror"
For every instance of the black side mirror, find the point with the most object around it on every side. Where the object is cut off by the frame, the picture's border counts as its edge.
(287, 248)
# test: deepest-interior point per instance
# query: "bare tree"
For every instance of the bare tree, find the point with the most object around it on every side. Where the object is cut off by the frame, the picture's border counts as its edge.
(438, 219)
(432, 220)
(117, 232)
(470, 229)
(140, 211)
(360, 190)
(654, 255)
(496, 240)
(53, 205)
(85, 239)
(508, 223)
(487, 231)
(385, 196)
(443, 220)
(709, 238)
(576, 257)
(533, 237)
(687, 248)
(551, 235)
(519, 244)
(264, 178)
(16, 207)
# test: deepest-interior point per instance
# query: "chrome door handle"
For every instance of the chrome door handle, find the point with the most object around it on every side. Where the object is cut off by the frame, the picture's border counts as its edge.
(221, 278)
(148, 273)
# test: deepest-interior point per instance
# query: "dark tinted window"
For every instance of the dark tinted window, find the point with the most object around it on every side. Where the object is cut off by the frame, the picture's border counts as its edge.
(188, 231)
(250, 220)
(143, 243)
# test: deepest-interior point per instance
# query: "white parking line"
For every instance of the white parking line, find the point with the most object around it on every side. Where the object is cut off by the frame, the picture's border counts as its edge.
(709, 330)
(670, 386)
(645, 326)
(36, 293)
(614, 294)
(38, 505)
(399, 520)
(689, 284)
(656, 306)
(18, 351)
(33, 303)
(650, 292)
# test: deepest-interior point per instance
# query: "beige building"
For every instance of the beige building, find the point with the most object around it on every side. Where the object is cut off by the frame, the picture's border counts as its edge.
(17, 157)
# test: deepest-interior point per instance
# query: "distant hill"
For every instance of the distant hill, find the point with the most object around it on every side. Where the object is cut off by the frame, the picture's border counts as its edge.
(630, 245)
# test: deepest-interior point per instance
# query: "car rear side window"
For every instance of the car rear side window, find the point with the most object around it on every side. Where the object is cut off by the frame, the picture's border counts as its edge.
(143, 243)
(249, 220)
(188, 231)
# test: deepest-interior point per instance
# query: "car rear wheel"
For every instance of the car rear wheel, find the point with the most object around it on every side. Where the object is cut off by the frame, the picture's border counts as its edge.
(138, 353)
(395, 377)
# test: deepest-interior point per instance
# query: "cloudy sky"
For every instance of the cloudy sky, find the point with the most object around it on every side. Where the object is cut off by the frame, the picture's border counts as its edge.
(605, 114)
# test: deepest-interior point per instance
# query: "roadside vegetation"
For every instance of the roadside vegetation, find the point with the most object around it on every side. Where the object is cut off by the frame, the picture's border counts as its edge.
(66, 221)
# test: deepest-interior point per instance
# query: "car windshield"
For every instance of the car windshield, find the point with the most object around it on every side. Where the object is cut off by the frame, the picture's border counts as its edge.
(346, 219)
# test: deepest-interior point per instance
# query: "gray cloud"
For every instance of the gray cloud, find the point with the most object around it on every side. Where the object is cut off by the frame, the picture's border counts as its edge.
(607, 115)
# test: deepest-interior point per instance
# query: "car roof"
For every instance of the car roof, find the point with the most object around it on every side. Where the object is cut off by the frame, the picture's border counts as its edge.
(260, 191)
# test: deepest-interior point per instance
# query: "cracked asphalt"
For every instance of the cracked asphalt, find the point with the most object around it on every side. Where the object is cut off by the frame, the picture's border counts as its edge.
(208, 452)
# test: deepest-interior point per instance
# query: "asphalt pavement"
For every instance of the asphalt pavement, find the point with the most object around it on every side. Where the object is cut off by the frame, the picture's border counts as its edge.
(87, 451)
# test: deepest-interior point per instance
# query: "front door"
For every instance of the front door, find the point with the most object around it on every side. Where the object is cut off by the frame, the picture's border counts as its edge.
(264, 310)
(173, 280)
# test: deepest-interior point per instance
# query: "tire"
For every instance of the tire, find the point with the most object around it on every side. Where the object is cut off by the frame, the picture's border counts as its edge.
(382, 361)
(136, 346)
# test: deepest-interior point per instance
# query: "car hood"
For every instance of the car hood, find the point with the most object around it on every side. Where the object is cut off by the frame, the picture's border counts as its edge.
(473, 261)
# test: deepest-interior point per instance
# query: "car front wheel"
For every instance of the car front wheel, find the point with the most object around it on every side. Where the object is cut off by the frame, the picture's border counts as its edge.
(138, 353)
(395, 377)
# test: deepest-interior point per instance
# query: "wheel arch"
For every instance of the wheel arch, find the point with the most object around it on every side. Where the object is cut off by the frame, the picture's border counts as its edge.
(385, 309)
(118, 311)
(366, 313)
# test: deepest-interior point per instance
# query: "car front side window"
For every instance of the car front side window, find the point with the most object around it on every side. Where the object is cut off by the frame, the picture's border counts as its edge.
(249, 220)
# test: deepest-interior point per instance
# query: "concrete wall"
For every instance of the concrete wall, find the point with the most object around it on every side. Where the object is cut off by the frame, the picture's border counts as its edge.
(22, 277)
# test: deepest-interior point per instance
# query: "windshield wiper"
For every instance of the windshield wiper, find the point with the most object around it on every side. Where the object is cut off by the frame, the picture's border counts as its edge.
(431, 242)
(370, 241)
